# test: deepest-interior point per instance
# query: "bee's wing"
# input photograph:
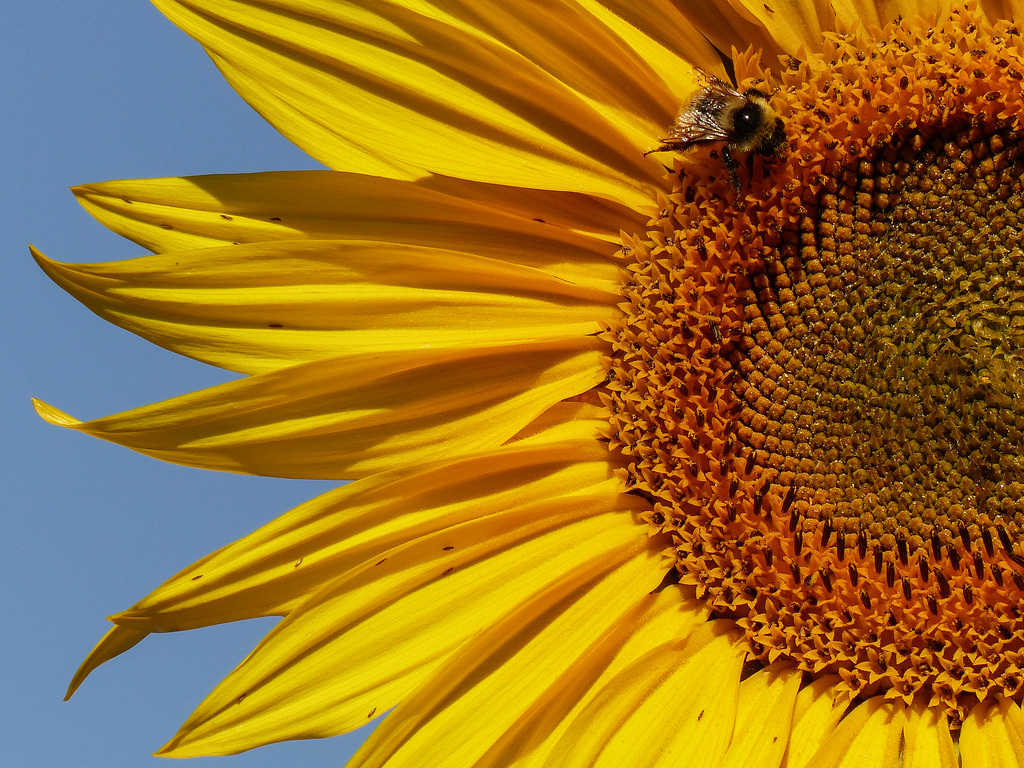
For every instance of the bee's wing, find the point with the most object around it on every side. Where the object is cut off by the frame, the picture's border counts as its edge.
(700, 119)
(695, 128)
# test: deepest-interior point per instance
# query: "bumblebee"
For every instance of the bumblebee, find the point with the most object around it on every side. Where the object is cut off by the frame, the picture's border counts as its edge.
(718, 112)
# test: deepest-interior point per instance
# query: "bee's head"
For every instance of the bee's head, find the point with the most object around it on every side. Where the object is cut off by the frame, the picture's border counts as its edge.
(755, 126)
(748, 123)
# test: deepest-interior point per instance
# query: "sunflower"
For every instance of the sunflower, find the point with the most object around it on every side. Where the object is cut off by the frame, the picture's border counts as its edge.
(707, 457)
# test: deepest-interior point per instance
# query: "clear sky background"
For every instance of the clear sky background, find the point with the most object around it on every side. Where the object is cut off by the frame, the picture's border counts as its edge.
(91, 91)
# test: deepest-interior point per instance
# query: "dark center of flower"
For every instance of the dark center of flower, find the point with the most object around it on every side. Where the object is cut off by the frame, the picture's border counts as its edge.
(912, 354)
(819, 388)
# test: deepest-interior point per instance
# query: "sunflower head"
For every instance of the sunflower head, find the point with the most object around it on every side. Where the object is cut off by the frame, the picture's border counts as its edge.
(819, 390)
(720, 459)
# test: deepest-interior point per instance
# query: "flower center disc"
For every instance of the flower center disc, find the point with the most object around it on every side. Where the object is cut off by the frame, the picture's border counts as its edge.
(819, 387)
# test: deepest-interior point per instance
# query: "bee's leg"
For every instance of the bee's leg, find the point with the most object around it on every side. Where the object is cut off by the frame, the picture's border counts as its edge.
(730, 165)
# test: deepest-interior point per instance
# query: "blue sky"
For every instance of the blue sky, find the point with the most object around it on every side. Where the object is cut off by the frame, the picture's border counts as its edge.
(94, 91)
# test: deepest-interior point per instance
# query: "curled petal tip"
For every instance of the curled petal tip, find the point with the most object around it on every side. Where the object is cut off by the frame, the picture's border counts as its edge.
(37, 254)
(53, 415)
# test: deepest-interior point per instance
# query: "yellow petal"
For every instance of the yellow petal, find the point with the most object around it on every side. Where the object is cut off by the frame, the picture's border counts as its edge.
(763, 718)
(1007, 9)
(466, 706)
(773, 28)
(870, 736)
(674, 706)
(663, 618)
(928, 742)
(572, 422)
(544, 96)
(260, 307)
(349, 417)
(270, 571)
(816, 715)
(669, 36)
(325, 668)
(853, 14)
(114, 643)
(991, 736)
(566, 233)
